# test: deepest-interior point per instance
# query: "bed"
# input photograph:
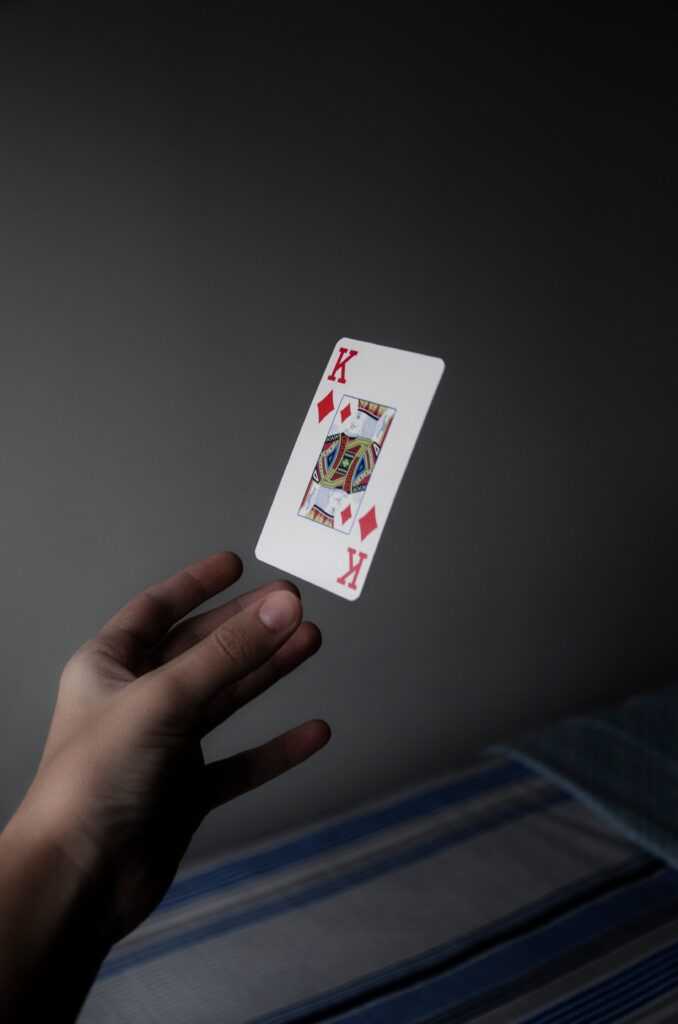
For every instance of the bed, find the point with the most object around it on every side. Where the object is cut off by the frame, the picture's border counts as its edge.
(505, 891)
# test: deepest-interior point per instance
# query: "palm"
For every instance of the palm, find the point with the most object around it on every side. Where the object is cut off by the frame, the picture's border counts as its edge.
(141, 806)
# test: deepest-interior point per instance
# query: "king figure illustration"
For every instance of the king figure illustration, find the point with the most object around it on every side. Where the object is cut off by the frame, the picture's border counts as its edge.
(346, 462)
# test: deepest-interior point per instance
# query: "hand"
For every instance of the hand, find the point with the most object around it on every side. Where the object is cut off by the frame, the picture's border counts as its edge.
(122, 784)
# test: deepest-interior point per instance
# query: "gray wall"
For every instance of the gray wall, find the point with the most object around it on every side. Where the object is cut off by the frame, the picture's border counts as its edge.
(191, 215)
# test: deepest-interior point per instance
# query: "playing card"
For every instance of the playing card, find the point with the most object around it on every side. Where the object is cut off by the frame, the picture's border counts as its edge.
(336, 493)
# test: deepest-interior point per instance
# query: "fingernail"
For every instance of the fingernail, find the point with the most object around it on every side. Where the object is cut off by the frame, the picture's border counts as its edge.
(295, 588)
(279, 610)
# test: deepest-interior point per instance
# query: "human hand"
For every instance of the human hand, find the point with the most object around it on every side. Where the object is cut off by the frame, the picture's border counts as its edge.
(122, 784)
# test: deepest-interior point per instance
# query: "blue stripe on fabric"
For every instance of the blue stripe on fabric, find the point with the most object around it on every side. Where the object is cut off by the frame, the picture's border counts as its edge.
(331, 886)
(497, 931)
(513, 960)
(622, 993)
(342, 833)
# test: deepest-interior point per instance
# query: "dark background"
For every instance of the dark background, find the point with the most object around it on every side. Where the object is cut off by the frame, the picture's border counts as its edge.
(194, 206)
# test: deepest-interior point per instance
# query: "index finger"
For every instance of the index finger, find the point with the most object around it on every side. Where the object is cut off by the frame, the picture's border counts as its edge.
(179, 691)
(145, 619)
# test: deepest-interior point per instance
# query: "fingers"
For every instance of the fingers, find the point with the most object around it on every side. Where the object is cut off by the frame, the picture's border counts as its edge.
(180, 690)
(303, 643)
(187, 633)
(226, 779)
(145, 619)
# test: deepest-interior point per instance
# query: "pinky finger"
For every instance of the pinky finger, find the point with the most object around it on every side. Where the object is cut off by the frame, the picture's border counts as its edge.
(231, 777)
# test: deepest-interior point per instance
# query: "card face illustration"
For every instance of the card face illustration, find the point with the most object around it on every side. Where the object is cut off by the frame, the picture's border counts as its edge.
(343, 470)
(347, 463)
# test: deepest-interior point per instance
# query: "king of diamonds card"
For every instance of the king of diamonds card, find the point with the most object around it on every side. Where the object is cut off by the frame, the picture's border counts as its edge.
(337, 489)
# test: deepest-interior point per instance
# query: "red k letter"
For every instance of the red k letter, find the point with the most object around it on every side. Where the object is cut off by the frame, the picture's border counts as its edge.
(344, 356)
(354, 567)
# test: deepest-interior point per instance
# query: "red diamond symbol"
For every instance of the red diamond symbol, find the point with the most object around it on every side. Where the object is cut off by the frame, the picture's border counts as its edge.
(346, 514)
(368, 522)
(345, 412)
(325, 406)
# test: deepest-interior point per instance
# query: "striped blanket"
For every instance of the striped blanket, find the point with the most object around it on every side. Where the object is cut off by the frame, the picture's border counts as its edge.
(490, 895)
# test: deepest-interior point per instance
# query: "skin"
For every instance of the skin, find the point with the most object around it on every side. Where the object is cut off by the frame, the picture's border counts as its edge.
(122, 784)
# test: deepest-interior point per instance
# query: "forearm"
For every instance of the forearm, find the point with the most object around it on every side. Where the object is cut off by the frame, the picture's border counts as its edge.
(50, 944)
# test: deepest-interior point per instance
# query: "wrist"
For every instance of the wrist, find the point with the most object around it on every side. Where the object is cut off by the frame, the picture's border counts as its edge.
(50, 935)
(35, 848)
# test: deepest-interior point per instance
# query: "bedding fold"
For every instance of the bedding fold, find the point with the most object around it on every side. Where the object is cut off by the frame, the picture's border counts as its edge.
(622, 762)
